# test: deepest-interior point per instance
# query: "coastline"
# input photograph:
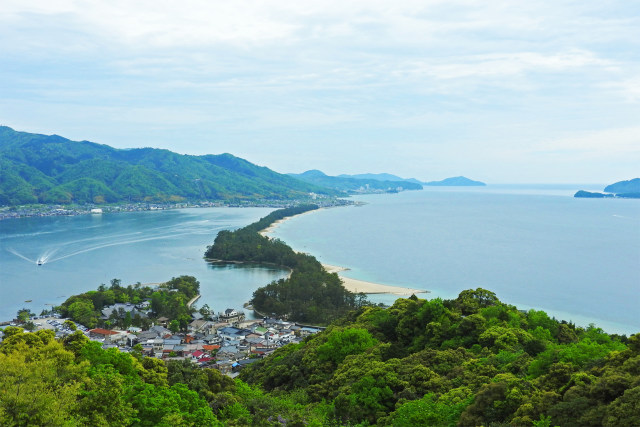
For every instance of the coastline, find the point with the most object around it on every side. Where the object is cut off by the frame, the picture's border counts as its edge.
(352, 285)
(45, 210)
(272, 227)
(357, 286)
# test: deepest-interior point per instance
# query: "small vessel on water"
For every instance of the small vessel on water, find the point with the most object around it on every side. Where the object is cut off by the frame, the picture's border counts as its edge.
(39, 262)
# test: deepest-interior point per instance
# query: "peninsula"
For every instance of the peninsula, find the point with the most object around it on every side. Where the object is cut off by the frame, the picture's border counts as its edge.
(313, 292)
(623, 189)
(352, 285)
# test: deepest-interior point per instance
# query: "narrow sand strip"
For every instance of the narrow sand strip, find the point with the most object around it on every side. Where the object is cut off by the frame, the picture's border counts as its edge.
(353, 285)
(275, 225)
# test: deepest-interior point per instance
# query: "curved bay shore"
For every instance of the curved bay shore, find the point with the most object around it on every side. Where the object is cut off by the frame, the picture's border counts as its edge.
(353, 285)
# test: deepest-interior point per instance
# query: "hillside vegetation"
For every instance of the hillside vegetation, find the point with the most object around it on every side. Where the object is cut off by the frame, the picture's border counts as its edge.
(468, 361)
(51, 169)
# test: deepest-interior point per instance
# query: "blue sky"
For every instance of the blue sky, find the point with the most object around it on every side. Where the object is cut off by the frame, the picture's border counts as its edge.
(501, 91)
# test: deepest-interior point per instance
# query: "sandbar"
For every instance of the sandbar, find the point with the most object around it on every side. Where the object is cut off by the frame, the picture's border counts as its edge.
(353, 285)
(275, 224)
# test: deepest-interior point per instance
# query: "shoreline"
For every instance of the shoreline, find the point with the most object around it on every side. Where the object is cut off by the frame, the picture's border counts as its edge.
(276, 224)
(362, 286)
(352, 285)
(46, 210)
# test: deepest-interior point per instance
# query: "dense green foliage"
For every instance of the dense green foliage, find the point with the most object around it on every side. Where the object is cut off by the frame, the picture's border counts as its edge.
(77, 383)
(309, 294)
(468, 361)
(352, 184)
(51, 169)
(168, 299)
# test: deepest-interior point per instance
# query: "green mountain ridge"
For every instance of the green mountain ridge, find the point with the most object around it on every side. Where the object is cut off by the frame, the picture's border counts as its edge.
(351, 185)
(38, 168)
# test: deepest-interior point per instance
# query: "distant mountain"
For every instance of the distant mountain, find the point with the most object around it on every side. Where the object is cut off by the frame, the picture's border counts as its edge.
(354, 185)
(458, 181)
(380, 177)
(631, 186)
(625, 189)
(51, 169)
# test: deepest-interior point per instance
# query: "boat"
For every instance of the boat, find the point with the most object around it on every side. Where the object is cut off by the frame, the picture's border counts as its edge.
(39, 262)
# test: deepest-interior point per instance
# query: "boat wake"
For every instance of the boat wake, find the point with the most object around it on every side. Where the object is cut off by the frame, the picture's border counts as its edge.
(42, 259)
(126, 239)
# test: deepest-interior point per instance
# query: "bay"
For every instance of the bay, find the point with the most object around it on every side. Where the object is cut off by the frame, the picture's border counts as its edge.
(534, 246)
(81, 252)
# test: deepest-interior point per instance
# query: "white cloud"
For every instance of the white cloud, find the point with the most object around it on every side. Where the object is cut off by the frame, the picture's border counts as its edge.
(501, 64)
(604, 142)
(489, 80)
(626, 88)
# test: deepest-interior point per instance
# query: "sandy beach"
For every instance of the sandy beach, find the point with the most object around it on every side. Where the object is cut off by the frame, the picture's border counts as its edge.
(275, 225)
(353, 285)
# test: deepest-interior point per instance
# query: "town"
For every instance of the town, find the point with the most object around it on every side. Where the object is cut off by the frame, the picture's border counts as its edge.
(42, 210)
(227, 341)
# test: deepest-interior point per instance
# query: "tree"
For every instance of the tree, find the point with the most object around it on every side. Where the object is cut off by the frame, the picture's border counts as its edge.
(205, 311)
(102, 400)
(83, 312)
(24, 314)
(428, 411)
(342, 343)
(70, 325)
(39, 381)
(174, 326)
(470, 301)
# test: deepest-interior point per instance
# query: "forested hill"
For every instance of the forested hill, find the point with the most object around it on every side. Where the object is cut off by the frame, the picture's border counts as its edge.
(38, 168)
(470, 361)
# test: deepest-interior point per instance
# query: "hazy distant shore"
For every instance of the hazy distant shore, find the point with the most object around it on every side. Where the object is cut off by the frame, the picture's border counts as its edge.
(9, 212)
(352, 285)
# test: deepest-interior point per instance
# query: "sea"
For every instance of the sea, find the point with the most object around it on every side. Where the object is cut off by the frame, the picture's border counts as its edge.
(534, 246)
(79, 253)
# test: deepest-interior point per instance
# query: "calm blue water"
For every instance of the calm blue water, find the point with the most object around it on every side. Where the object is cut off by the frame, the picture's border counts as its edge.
(535, 247)
(82, 252)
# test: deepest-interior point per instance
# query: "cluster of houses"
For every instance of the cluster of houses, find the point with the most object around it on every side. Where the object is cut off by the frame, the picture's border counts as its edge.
(228, 342)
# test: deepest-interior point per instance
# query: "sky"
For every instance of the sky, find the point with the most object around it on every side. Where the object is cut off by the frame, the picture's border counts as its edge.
(544, 91)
